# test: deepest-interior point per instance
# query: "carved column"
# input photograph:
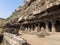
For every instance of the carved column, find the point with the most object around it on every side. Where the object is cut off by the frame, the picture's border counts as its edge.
(47, 27)
(20, 28)
(53, 26)
(35, 28)
(28, 28)
(38, 28)
(31, 27)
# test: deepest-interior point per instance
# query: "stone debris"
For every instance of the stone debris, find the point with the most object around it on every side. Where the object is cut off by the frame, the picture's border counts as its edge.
(13, 39)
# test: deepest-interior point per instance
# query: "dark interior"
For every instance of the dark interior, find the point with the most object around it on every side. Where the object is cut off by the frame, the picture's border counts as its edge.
(57, 26)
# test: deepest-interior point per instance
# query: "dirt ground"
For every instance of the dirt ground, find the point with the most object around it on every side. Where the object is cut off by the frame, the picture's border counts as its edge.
(53, 39)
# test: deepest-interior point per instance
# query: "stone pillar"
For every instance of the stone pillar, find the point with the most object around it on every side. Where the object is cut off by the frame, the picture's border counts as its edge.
(53, 27)
(20, 28)
(47, 27)
(28, 28)
(38, 28)
(31, 27)
(35, 30)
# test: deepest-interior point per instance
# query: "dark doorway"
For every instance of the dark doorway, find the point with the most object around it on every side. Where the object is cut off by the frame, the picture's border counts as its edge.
(57, 26)
(50, 26)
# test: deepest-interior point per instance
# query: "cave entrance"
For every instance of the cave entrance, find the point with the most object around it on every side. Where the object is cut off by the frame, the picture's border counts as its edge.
(57, 26)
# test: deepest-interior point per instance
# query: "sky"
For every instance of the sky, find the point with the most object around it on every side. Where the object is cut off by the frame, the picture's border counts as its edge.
(7, 7)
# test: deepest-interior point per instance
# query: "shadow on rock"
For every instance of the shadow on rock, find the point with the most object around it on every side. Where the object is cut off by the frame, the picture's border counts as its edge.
(1, 38)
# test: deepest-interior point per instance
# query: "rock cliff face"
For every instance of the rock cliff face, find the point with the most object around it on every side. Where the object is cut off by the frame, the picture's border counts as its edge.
(21, 11)
(32, 11)
(32, 7)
